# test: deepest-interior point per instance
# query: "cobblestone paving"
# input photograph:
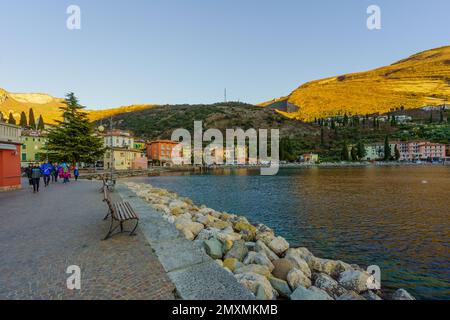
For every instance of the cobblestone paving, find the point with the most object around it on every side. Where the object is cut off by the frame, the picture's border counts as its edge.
(42, 234)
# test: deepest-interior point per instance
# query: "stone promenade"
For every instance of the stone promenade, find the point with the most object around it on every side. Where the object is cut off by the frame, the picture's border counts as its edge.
(42, 234)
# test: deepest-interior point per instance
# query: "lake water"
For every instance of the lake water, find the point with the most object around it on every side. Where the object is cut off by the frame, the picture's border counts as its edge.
(393, 217)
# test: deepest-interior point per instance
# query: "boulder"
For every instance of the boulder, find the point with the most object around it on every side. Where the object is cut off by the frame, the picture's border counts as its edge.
(298, 262)
(265, 237)
(402, 294)
(354, 280)
(253, 268)
(232, 264)
(350, 295)
(297, 278)
(331, 267)
(247, 231)
(205, 220)
(280, 286)
(282, 268)
(260, 246)
(238, 250)
(213, 248)
(219, 262)
(219, 224)
(250, 246)
(370, 295)
(329, 285)
(258, 258)
(252, 281)
(312, 293)
(278, 245)
(227, 245)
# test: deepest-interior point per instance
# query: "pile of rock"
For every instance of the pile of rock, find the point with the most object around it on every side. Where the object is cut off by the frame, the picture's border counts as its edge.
(260, 260)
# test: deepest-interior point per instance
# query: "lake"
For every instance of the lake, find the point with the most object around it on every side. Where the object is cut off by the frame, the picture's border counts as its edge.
(393, 217)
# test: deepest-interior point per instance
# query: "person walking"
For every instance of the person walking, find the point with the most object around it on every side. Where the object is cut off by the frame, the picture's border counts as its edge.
(28, 174)
(36, 177)
(65, 172)
(76, 173)
(46, 170)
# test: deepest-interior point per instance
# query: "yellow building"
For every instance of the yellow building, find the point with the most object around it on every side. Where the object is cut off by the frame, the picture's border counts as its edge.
(33, 146)
(123, 159)
(140, 145)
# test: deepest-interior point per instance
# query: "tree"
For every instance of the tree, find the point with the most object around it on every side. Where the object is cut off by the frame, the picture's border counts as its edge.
(32, 121)
(345, 119)
(345, 156)
(2, 119)
(41, 124)
(23, 119)
(397, 153)
(286, 151)
(361, 150)
(354, 154)
(73, 140)
(11, 119)
(322, 139)
(431, 116)
(387, 149)
(441, 114)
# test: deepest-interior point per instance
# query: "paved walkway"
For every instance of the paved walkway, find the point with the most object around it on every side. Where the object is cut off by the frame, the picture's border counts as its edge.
(42, 234)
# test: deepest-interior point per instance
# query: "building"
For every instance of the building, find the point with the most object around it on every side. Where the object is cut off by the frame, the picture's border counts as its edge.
(139, 145)
(160, 152)
(408, 151)
(310, 158)
(10, 174)
(121, 153)
(33, 145)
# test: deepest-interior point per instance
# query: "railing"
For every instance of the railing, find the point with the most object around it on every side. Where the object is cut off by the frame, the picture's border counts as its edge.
(9, 133)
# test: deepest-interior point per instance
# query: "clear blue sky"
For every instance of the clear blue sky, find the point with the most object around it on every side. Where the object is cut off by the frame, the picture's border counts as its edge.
(188, 51)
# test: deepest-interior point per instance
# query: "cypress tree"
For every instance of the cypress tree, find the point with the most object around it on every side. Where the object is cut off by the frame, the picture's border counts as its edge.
(73, 140)
(354, 154)
(23, 119)
(397, 153)
(41, 124)
(361, 150)
(387, 149)
(11, 119)
(345, 154)
(322, 139)
(32, 121)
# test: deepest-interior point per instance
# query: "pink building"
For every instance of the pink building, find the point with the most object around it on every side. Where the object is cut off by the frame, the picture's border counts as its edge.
(420, 150)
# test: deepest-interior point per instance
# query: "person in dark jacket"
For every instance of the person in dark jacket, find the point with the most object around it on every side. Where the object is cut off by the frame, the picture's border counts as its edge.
(28, 174)
(36, 177)
(76, 173)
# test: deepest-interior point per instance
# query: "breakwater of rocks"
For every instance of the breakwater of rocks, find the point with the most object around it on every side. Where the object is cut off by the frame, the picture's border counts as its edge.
(260, 260)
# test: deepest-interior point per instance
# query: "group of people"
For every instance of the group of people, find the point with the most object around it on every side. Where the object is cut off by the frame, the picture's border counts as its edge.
(49, 172)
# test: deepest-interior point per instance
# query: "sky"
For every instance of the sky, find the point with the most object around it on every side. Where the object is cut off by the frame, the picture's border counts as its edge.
(189, 51)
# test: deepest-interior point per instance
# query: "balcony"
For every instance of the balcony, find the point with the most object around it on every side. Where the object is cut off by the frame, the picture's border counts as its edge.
(9, 133)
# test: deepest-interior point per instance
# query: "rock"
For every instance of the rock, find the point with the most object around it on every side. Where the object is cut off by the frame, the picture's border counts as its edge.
(402, 294)
(330, 267)
(232, 264)
(278, 245)
(247, 231)
(225, 216)
(188, 228)
(260, 246)
(350, 295)
(219, 262)
(207, 234)
(238, 250)
(228, 236)
(354, 280)
(265, 237)
(313, 293)
(252, 281)
(258, 258)
(213, 248)
(253, 268)
(370, 295)
(329, 285)
(298, 262)
(281, 287)
(205, 220)
(250, 246)
(227, 245)
(219, 224)
(282, 268)
(297, 278)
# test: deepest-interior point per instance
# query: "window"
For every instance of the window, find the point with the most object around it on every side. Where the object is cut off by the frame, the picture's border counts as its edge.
(24, 157)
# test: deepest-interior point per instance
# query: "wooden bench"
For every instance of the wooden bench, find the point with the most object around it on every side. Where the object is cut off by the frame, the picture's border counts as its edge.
(119, 212)
(108, 184)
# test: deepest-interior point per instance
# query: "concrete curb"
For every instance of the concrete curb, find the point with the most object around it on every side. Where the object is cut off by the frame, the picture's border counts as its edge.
(195, 275)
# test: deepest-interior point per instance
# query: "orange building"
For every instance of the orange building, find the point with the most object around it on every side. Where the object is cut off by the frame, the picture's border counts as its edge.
(10, 143)
(161, 150)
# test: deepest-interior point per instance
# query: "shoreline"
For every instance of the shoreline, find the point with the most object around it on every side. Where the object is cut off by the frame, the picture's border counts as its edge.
(258, 259)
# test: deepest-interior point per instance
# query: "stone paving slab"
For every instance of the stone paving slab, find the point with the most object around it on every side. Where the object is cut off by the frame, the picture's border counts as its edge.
(42, 234)
(195, 275)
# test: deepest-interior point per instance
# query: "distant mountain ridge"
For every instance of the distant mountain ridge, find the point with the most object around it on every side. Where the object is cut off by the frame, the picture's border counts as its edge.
(48, 106)
(420, 80)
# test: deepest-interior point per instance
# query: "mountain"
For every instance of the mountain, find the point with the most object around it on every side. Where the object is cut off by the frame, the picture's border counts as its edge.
(420, 80)
(160, 122)
(48, 106)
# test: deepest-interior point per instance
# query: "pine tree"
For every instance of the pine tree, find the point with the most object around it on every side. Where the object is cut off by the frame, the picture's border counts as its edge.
(345, 119)
(41, 124)
(11, 119)
(345, 154)
(73, 140)
(441, 116)
(361, 150)
(23, 119)
(387, 149)
(32, 121)
(322, 138)
(354, 154)
(431, 116)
